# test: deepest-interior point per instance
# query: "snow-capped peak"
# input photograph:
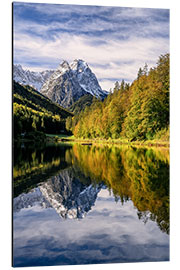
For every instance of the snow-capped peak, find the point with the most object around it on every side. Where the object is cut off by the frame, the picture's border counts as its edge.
(86, 78)
(78, 65)
(63, 67)
(27, 77)
(70, 82)
(19, 67)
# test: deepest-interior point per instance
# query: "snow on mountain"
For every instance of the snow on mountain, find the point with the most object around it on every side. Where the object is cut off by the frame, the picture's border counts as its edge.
(86, 78)
(70, 82)
(34, 79)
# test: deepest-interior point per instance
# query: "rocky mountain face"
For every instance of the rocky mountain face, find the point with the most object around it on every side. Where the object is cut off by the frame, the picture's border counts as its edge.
(27, 77)
(64, 192)
(70, 82)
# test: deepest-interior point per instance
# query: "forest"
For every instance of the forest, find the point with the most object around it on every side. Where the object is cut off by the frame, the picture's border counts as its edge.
(139, 111)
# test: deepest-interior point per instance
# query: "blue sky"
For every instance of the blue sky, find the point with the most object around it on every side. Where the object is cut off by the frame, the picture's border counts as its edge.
(114, 41)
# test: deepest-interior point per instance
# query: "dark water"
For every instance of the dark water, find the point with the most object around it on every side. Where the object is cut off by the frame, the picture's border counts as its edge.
(85, 204)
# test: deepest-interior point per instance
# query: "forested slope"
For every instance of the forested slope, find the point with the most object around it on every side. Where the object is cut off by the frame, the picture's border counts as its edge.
(34, 112)
(81, 103)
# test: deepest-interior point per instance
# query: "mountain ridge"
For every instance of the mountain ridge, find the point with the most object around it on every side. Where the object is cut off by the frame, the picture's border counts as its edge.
(31, 78)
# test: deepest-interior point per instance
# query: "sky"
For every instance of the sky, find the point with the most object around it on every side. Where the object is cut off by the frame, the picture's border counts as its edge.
(114, 41)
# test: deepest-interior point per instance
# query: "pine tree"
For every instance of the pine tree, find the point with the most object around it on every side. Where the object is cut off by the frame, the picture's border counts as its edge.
(140, 73)
(122, 86)
(116, 86)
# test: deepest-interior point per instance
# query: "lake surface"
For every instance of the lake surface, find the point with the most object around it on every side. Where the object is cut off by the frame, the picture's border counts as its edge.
(82, 204)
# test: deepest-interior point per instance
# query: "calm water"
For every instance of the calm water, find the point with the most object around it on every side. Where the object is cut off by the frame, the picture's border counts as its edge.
(85, 204)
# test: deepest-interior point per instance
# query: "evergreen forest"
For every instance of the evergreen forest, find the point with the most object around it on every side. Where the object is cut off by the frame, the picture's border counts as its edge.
(139, 111)
(35, 114)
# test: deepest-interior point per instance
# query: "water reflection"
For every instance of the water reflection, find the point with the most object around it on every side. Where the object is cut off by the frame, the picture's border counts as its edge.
(113, 191)
(139, 174)
(64, 192)
(33, 165)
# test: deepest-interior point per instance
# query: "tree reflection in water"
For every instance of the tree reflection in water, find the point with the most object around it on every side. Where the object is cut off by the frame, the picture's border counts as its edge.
(137, 174)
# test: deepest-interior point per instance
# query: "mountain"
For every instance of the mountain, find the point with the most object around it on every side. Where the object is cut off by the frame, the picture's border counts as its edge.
(27, 77)
(70, 82)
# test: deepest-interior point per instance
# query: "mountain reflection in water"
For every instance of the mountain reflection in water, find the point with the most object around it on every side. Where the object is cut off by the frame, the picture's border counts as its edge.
(72, 179)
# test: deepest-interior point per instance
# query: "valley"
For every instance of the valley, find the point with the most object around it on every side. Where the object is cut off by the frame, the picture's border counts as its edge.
(71, 102)
(90, 135)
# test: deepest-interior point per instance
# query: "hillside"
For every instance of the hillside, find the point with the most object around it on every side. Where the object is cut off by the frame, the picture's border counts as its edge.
(32, 78)
(26, 95)
(81, 103)
(32, 112)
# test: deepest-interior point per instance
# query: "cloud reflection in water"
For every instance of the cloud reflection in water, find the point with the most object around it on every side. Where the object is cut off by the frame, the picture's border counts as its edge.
(110, 233)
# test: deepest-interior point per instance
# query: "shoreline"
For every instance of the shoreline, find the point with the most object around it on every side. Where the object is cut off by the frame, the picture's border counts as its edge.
(71, 139)
(53, 138)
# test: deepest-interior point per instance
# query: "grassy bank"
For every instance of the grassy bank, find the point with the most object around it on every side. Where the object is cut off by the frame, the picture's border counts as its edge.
(66, 138)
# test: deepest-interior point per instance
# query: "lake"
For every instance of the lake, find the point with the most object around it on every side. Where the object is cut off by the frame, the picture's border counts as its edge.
(90, 204)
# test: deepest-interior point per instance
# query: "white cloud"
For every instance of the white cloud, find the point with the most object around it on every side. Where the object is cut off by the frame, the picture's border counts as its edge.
(107, 84)
(123, 58)
(128, 38)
